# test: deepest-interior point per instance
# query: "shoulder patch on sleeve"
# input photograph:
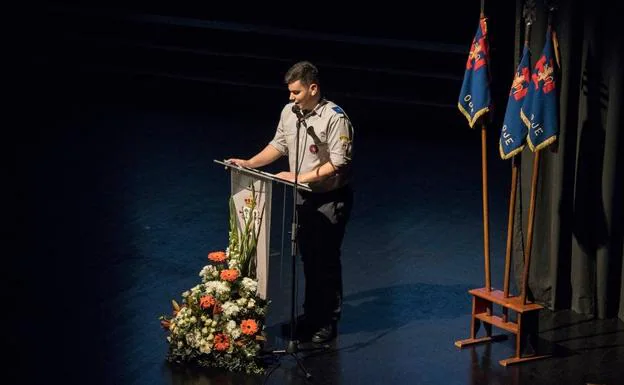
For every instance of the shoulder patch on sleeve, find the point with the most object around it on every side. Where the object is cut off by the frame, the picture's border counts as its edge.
(338, 110)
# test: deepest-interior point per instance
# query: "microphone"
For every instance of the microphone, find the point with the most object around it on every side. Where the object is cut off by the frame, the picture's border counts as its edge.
(297, 111)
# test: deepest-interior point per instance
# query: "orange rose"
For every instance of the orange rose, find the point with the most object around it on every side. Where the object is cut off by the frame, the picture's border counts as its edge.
(221, 342)
(249, 327)
(229, 275)
(207, 301)
(217, 256)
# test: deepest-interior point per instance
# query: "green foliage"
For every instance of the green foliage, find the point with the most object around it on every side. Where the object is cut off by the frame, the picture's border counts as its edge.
(243, 243)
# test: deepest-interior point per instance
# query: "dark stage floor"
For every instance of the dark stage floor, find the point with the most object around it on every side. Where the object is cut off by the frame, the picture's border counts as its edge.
(121, 202)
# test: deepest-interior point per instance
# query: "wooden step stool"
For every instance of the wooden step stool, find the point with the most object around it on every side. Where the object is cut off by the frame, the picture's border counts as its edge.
(525, 328)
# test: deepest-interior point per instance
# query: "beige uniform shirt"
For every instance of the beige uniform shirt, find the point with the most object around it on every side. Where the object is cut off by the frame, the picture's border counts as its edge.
(326, 136)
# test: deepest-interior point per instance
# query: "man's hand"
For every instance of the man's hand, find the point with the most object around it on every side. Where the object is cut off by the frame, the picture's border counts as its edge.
(286, 175)
(239, 162)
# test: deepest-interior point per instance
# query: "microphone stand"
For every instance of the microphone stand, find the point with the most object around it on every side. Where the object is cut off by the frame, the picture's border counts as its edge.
(293, 344)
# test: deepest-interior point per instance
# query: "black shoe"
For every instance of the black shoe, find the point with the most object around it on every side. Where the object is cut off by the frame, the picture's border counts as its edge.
(324, 334)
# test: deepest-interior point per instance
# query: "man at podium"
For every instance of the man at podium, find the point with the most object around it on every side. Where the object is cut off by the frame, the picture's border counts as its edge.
(317, 136)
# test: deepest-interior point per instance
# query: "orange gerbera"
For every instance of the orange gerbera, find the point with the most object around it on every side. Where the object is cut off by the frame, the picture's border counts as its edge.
(229, 274)
(221, 342)
(249, 327)
(217, 256)
(207, 301)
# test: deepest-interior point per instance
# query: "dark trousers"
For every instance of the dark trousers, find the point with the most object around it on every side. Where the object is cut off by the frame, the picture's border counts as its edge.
(322, 219)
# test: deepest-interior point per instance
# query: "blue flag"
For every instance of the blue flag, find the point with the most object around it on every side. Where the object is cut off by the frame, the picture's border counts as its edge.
(474, 98)
(539, 112)
(514, 132)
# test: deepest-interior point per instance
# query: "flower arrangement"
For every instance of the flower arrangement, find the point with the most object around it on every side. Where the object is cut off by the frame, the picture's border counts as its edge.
(221, 320)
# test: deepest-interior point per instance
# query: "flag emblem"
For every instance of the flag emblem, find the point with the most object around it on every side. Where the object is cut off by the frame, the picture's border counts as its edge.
(514, 132)
(519, 87)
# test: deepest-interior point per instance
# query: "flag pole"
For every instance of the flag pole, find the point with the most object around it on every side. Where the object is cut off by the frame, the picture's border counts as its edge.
(510, 225)
(484, 182)
(515, 161)
(486, 216)
(527, 250)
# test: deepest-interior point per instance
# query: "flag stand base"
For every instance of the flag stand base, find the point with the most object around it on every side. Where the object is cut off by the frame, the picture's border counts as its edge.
(525, 327)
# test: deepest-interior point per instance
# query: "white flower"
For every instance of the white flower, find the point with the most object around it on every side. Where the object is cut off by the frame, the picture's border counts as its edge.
(222, 287)
(205, 348)
(251, 304)
(235, 333)
(231, 325)
(218, 288)
(204, 330)
(234, 264)
(192, 340)
(208, 272)
(195, 291)
(230, 309)
(250, 285)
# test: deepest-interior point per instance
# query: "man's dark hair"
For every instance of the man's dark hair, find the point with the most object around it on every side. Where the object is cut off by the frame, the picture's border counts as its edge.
(303, 71)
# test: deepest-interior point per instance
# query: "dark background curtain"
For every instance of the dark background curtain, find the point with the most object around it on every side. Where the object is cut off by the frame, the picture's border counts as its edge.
(577, 253)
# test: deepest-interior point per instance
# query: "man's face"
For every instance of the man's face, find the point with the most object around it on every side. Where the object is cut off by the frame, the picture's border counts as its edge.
(303, 96)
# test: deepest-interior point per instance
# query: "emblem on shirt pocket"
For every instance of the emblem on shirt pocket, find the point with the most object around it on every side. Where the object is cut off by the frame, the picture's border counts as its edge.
(314, 148)
(346, 142)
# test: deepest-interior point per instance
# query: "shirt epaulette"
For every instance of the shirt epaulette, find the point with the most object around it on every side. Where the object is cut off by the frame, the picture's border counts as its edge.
(338, 110)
